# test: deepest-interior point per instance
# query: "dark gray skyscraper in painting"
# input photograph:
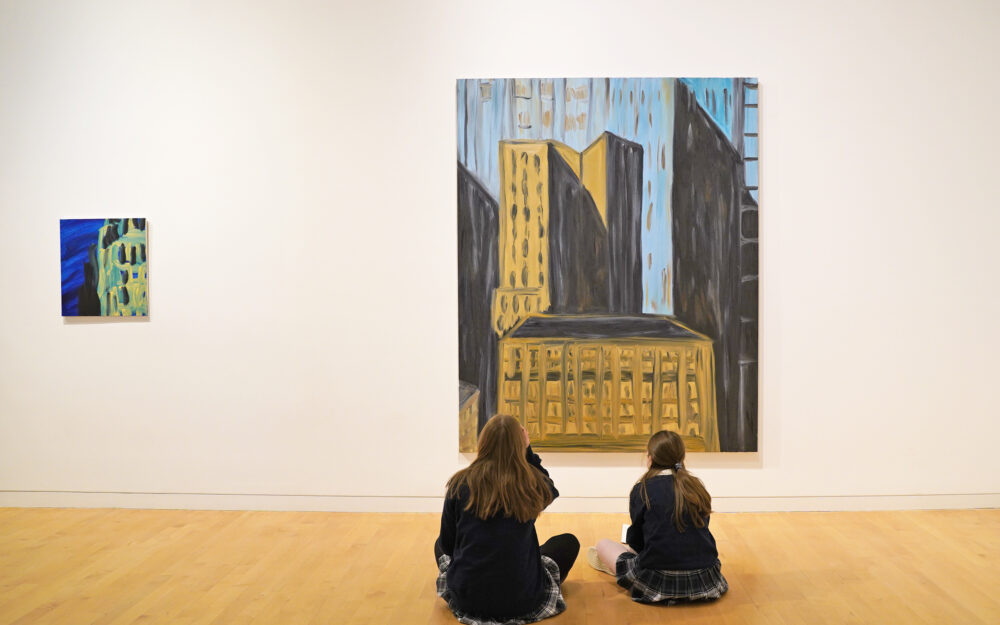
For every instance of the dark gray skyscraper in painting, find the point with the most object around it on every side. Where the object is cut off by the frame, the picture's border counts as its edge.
(577, 242)
(710, 263)
(595, 241)
(623, 173)
(477, 279)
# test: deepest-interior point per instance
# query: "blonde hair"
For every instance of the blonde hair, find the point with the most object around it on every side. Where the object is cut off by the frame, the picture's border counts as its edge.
(500, 480)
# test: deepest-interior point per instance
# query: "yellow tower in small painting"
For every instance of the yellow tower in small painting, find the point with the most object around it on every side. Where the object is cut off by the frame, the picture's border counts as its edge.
(121, 268)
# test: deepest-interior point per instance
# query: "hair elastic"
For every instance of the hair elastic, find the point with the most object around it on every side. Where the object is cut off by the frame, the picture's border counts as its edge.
(678, 466)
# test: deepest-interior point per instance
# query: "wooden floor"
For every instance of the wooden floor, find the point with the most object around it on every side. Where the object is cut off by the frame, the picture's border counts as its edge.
(153, 566)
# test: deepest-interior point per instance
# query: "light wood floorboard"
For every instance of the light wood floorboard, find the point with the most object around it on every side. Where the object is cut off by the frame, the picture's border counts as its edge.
(125, 567)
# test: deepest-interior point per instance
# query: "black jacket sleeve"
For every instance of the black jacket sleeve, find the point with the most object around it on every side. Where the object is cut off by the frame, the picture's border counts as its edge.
(449, 521)
(535, 461)
(636, 510)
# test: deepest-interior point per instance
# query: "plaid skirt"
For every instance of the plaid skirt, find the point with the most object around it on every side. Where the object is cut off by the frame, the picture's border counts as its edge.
(553, 604)
(669, 587)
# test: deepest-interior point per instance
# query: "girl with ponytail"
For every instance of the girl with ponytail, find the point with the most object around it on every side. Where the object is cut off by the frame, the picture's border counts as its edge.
(670, 554)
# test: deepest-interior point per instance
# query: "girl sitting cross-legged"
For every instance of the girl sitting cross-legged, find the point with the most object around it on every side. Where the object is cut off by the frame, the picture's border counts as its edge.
(492, 569)
(671, 554)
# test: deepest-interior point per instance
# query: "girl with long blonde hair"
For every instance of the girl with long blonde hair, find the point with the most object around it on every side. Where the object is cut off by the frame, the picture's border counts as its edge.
(491, 567)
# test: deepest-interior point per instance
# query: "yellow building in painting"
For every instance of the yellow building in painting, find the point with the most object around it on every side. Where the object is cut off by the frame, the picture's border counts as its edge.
(567, 243)
(607, 382)
(523, 233)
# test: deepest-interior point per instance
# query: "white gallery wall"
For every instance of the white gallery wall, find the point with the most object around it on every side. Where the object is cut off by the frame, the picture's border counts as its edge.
(296, 164)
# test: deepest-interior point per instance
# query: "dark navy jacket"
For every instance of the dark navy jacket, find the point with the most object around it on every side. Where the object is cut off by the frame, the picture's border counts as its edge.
(655, 537)
(496, 567)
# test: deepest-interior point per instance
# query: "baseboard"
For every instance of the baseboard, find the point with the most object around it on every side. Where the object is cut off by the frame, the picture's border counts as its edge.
(802, 504)
(339, 503)
(218, 501)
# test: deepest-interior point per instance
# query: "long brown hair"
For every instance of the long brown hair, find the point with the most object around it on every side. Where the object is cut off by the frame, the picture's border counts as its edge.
(666, 451)
(500, 480)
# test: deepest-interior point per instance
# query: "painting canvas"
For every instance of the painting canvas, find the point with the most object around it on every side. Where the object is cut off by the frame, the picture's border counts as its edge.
(607, 260)
(103, 265)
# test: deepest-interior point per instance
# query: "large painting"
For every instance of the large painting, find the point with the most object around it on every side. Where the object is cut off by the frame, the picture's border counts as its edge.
(607, 260)
(103, 267)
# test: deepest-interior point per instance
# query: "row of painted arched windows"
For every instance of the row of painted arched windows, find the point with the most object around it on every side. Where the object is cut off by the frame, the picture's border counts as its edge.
(131, 257)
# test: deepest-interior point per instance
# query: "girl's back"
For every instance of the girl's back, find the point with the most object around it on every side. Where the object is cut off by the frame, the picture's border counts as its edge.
(496, 565)
(489, 561)
(655, 536)
(671, 554)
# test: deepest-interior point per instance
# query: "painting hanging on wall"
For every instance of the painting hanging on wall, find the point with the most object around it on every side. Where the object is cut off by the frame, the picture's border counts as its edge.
(103, 267)
(607, 260)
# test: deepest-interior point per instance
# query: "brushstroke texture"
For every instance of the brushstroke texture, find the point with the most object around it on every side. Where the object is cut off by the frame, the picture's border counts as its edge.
(706, 229)
(477, 280)
(606, 382)
(78, 242)
(578, 244)
(103, 267)
(573, 241)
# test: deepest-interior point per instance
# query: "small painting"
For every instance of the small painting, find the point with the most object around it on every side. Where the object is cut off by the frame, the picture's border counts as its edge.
(103, 265)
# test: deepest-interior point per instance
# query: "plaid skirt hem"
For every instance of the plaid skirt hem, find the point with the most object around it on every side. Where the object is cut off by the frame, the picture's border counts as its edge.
(653, 586)
(551, 606)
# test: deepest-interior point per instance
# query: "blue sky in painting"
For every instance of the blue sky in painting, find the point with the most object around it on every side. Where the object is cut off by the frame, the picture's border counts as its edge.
(715, 95)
